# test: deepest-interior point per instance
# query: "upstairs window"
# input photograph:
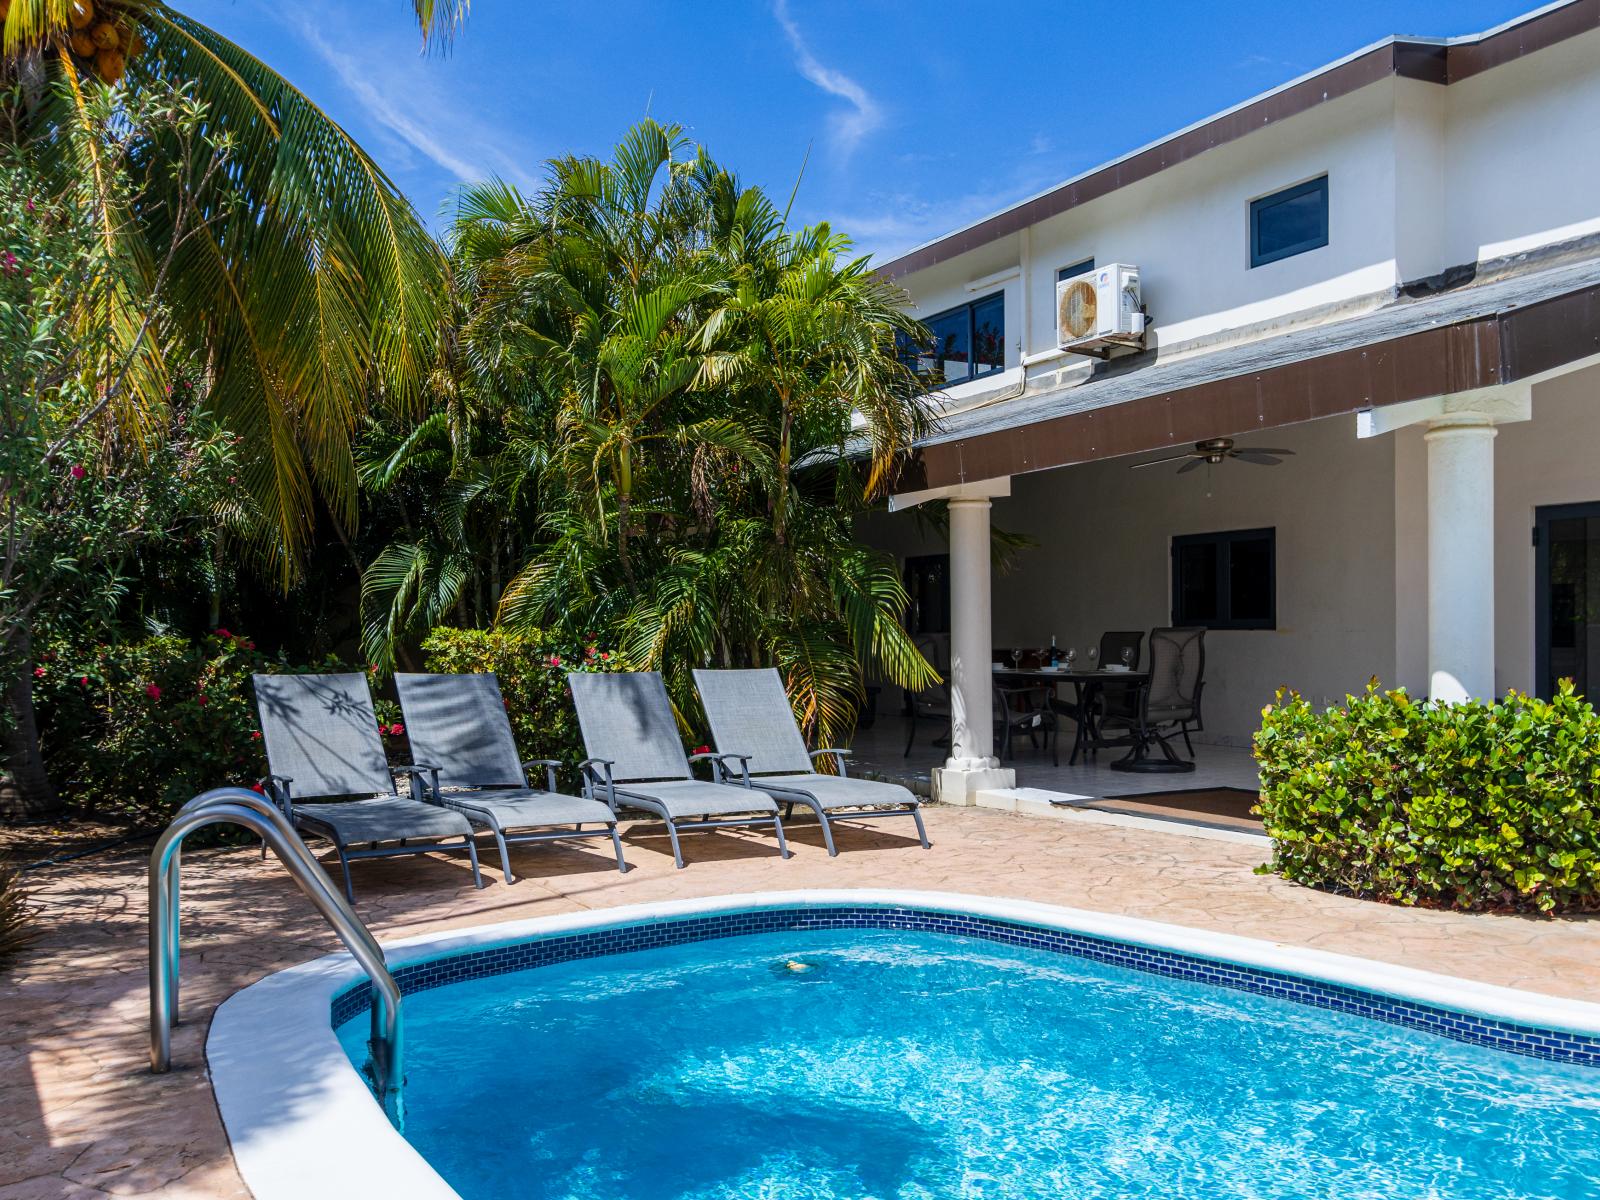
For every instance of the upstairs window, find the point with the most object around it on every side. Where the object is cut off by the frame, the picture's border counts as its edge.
(1076, 269)
(964, 343)
(1226, 580)
(1289, 222)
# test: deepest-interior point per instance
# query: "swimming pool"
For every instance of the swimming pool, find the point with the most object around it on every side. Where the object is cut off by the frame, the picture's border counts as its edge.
(853, 1045)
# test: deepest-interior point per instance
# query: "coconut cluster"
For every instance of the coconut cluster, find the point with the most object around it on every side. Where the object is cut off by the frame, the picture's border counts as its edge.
(103, 37)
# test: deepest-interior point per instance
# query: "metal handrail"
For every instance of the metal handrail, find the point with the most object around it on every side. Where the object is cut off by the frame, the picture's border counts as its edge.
(239, 806)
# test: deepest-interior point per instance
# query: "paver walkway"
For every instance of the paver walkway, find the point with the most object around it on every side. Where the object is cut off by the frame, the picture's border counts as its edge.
(81, 1117)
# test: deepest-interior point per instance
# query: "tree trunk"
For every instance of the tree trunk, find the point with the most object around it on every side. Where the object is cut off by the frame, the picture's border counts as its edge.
(25, 791)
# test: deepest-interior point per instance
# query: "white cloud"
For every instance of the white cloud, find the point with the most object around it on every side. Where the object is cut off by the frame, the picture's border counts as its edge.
(400, 92)
(864, 114)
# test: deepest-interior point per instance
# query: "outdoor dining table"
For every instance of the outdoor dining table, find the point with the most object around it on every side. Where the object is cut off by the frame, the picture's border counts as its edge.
(1085, 684)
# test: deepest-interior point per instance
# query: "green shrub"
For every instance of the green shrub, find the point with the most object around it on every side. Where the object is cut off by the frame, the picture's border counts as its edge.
(532, 669)
(1470, 806)
(134, 729)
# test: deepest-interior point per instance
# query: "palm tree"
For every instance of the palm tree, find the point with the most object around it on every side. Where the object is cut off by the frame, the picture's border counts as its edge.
(721, 397)
(269, 248)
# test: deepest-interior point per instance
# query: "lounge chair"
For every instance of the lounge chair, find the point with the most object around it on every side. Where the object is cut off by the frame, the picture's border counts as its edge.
(321, 738)
(753, 726)
(637, 760)
(457, 725)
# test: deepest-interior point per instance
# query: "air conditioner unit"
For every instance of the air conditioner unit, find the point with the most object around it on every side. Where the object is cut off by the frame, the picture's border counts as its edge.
(1100, 311)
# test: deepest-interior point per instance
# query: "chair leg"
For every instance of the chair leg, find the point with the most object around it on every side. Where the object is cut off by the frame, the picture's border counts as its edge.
(505, 855)
(344, 865)
(472, 854)
(677, 854)
(1187, 743)
(616, 841)
(827, 833)
(922, 832)
(783, 843)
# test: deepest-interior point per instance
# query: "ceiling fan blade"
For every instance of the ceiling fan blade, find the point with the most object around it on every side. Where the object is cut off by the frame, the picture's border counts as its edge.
(1265, 450)
(1191, 465)
(1264, 458)
(1156, 462)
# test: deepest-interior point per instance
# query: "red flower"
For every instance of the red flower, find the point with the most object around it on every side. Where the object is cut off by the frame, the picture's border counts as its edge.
(396, 730)
(373, 669)
(249, 645)
(76, 471)
(38, 672)
(223, 633)
(702, 749)
(153, 692)
(256, 787)
(201, 699)
(255, 735)
(605, 655)
(84, 680)
(555, 660)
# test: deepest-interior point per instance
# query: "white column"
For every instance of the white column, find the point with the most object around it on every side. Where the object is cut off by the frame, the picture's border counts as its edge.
(1461, 559)
(971, 643)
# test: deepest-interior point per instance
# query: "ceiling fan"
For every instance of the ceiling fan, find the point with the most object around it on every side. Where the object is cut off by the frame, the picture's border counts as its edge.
(1214, 450)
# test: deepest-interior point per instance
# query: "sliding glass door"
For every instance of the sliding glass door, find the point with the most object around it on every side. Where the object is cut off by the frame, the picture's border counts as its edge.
(1567, 561)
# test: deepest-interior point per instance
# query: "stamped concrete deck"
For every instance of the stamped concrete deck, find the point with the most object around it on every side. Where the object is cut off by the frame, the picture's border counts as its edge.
(83, 1118)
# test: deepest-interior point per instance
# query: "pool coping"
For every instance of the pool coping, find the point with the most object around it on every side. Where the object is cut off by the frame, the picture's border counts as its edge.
(303, 1124)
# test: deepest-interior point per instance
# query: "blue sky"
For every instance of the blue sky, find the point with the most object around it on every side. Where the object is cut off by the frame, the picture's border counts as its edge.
(920, 115)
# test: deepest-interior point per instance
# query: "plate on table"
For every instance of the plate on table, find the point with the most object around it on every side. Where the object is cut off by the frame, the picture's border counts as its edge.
(1114, 669)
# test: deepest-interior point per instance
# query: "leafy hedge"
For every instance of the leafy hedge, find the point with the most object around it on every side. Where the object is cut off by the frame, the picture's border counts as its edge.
(532, 669)
(1470, 806)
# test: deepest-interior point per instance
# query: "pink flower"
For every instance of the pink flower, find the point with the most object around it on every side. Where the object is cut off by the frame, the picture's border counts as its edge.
(555, 660)
(152, 691)
(223, 633)
(38, 672)
(84, 680)
(249, 645)
(397, 729)
(373, 669)
(76, 471)
(9, 262)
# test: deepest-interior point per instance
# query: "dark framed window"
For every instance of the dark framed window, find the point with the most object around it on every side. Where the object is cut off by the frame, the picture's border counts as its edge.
(927, 580)
(1226, 580)
(1289, 222)
(1076, 269)
(964, 343)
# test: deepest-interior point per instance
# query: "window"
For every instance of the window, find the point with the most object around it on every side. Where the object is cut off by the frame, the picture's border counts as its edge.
(927, 580)
(1226, 580)
(1076, 269)
(964, 343)
(1289, 222)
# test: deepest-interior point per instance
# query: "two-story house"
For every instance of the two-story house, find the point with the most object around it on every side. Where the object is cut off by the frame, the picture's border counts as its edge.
(1388, 269)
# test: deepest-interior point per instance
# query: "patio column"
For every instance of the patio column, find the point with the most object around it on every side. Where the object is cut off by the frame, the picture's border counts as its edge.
(971, 643)
(1461, 559)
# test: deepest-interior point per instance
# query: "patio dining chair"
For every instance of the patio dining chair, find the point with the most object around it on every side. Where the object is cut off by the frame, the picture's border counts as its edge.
(754, 729)
(1167, 703)
(636, 760)
(321, 738)
(459, 731)
(932, 703)
(1024, 710)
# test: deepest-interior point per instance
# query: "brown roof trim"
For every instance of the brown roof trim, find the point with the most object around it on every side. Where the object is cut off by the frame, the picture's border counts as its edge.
(1432, 62)
(1482, 352)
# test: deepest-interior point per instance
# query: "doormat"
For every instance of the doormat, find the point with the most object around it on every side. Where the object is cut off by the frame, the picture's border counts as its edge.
(1226, 807)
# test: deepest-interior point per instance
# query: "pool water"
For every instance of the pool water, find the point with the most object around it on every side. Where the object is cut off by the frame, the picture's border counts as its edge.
(848, 1064)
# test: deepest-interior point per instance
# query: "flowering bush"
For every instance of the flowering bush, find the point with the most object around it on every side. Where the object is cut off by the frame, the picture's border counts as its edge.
(1470, 806)
(136, 729)
(532, 670)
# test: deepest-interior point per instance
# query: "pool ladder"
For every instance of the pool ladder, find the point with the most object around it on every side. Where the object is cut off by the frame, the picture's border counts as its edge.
(239, 806)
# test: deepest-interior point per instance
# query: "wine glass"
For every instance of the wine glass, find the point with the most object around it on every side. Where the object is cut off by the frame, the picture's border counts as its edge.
(1072, 655)
(1127, 658)
(1094, 653)
(1016, 658)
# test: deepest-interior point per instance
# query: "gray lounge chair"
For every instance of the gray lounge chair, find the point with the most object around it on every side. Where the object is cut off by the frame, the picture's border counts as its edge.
(457, 725)
(754, 727)
(321, 737)
(637, 760)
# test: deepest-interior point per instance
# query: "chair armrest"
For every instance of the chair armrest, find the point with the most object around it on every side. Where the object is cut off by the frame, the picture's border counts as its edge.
(550, 765)
(420, 788)
(276, 789)
(719, 765)
(591, 776)
(838, 755)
